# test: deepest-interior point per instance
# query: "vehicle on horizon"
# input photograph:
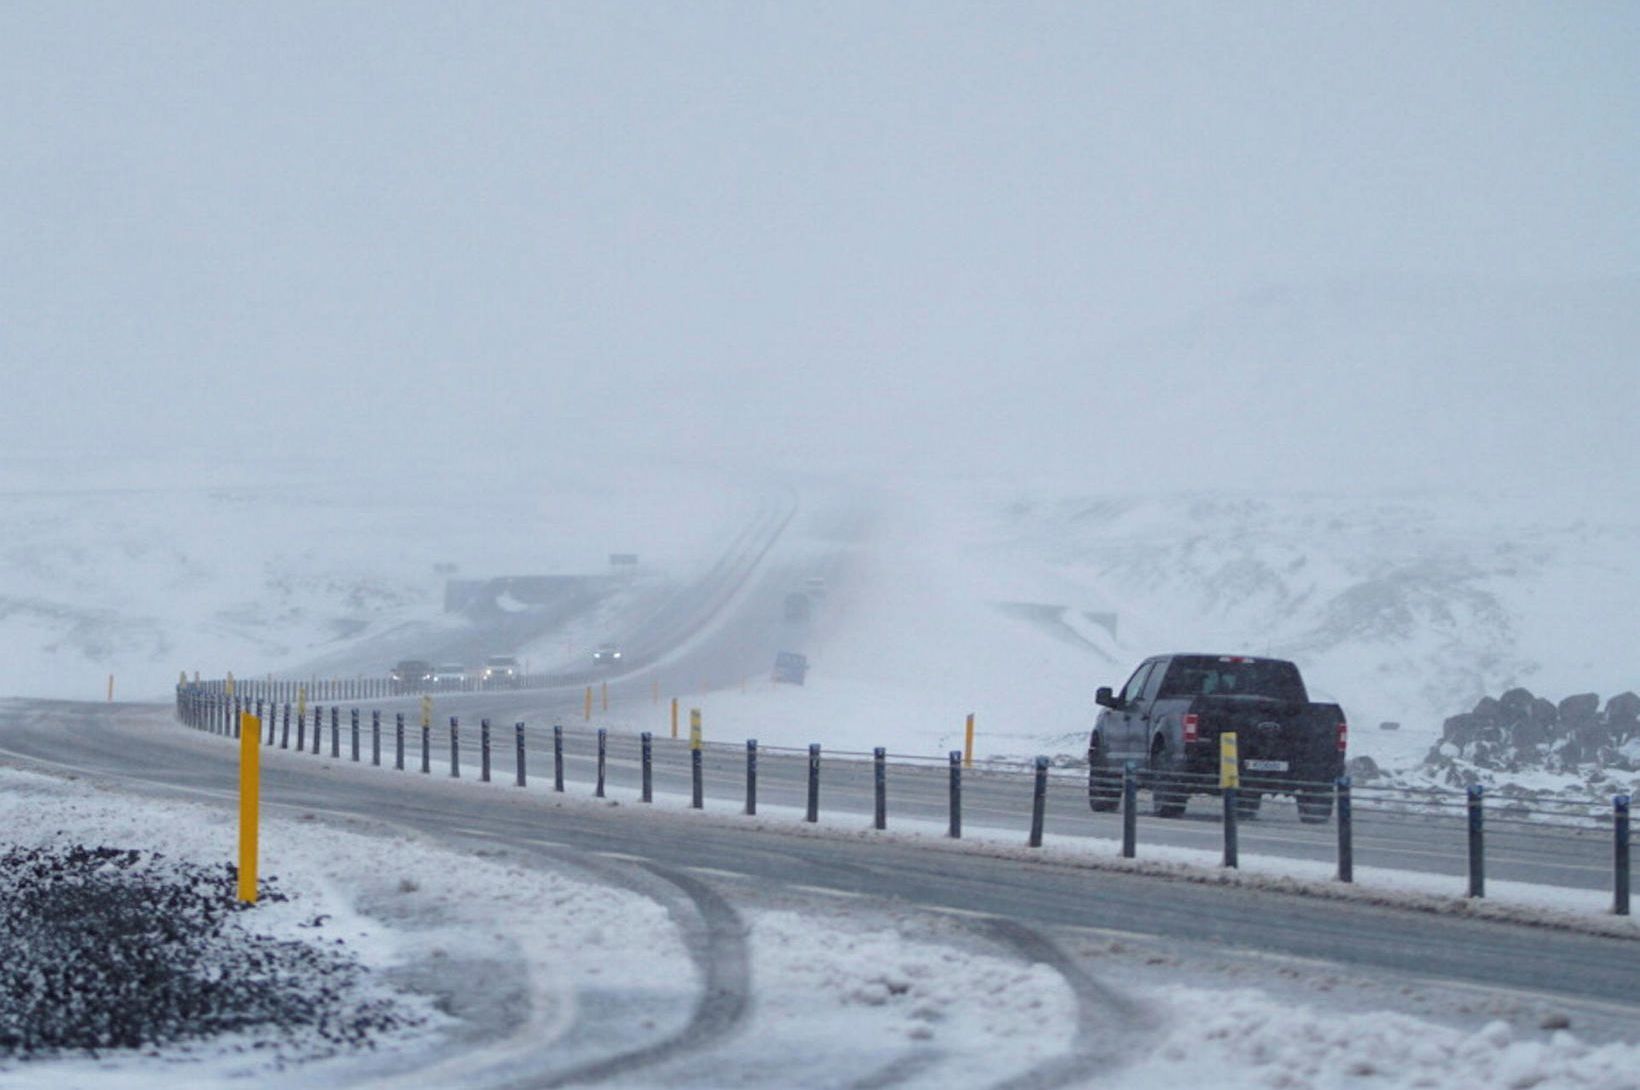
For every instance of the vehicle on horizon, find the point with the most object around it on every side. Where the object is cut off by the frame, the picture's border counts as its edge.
(1168, 719)
(409, 675)
(798, 606)
(815, 586)
(606, 654)
(450, 675)
(500, 670)
(791, 667)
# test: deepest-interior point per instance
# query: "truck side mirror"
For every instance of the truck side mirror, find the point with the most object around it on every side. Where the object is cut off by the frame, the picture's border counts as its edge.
(1104, 698)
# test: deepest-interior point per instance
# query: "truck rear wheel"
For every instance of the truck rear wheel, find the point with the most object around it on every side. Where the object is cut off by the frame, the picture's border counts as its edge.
(1168, 795)
(1315, 806)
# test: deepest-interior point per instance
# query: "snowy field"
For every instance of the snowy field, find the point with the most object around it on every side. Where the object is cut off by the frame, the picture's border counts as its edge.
(835, 984)
(978, 599)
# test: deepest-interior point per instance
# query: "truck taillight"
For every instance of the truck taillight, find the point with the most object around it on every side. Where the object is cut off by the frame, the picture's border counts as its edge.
(1192, 727)
(1343, 736)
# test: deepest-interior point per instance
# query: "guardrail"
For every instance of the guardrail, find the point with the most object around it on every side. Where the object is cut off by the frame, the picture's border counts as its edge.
(941, 788)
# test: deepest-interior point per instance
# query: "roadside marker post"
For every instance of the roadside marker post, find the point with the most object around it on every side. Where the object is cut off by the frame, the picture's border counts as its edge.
(674, 717)
(1346, 836)
(111, 688)
(587, 709)
(1477, 847)
(751, 777)
(697, 795)
(647, 742)
(1620, 842)
(812, 815)
(955, 828)
(879, 784)
(250, 788)
(1130, 810)
(1229, 786)
(1039, 802)
(968, 743)
(518, 757)
(605, 694)
(603, 755)
(558, 757)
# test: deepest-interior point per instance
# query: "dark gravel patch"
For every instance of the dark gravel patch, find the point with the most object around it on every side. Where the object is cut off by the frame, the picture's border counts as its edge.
(106, 949)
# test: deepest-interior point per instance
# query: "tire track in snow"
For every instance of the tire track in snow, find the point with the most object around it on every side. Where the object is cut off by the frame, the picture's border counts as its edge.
(1106, 1021)
(716, 938)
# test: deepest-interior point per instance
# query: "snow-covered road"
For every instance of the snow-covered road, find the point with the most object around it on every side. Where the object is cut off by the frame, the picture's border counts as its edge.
(559, 959)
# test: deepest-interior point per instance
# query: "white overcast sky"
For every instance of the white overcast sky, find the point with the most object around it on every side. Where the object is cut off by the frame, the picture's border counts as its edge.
(1298, 245)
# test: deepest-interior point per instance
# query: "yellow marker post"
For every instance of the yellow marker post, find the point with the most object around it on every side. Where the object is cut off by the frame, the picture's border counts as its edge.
(230, 683)
(250, 792)
(301, 701)
(674, 717)
(426, 711)
(1229, 761)
(694, 728)
(587, 711)
(968, 743)
(111, 688)
(606, 695)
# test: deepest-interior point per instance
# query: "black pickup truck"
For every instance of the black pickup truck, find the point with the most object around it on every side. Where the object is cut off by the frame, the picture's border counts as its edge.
(1168, 718)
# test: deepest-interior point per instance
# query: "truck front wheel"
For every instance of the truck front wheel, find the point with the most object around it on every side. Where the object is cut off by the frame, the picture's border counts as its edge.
(1104, 786)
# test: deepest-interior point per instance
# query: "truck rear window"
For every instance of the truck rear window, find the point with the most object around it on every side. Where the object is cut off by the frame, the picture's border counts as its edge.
(1213, 675)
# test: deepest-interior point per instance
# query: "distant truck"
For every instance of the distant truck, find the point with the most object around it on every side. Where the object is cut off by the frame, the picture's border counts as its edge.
(1168, 719)
(791, 668)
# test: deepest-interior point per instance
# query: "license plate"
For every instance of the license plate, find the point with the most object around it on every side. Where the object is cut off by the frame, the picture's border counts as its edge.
(1266, 766)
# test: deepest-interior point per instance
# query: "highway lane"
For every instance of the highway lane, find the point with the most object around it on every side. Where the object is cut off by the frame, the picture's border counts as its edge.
(142, 749)
(918, 789)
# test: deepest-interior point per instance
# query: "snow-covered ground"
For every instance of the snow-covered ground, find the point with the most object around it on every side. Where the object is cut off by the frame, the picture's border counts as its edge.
(835, 983)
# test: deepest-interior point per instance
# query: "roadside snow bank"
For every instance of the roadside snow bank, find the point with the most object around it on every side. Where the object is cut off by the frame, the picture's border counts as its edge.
(1234, 1039)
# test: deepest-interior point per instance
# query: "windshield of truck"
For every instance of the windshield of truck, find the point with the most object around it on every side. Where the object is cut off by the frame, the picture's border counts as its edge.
(1227, 675)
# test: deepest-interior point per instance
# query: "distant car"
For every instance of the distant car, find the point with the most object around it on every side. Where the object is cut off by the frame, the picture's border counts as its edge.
(798, 606)
(449, 674)
(501, 668)
(791, 667)
(815, 586)
(607, 654)
(412, 671)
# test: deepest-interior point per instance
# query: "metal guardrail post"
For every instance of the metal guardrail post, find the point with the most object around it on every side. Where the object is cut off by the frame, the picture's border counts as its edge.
(1232, 848)
(484, 750)
(557, 756)
(1620, 846)
(518, 754)
(1130, 810)
(697, 799)
(336, 732)
(1346, 832)
(398, 741)
(354, 728)
(646, 746)
(1477, 842)
(813, 813)
(751, 777)
(426, 747)
(301, 733)
(284, 731)
(603, 750)
(1039, 801)
(318, 728)
(455, 747)
(879, 780)
(375, 736)
(955, 826)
